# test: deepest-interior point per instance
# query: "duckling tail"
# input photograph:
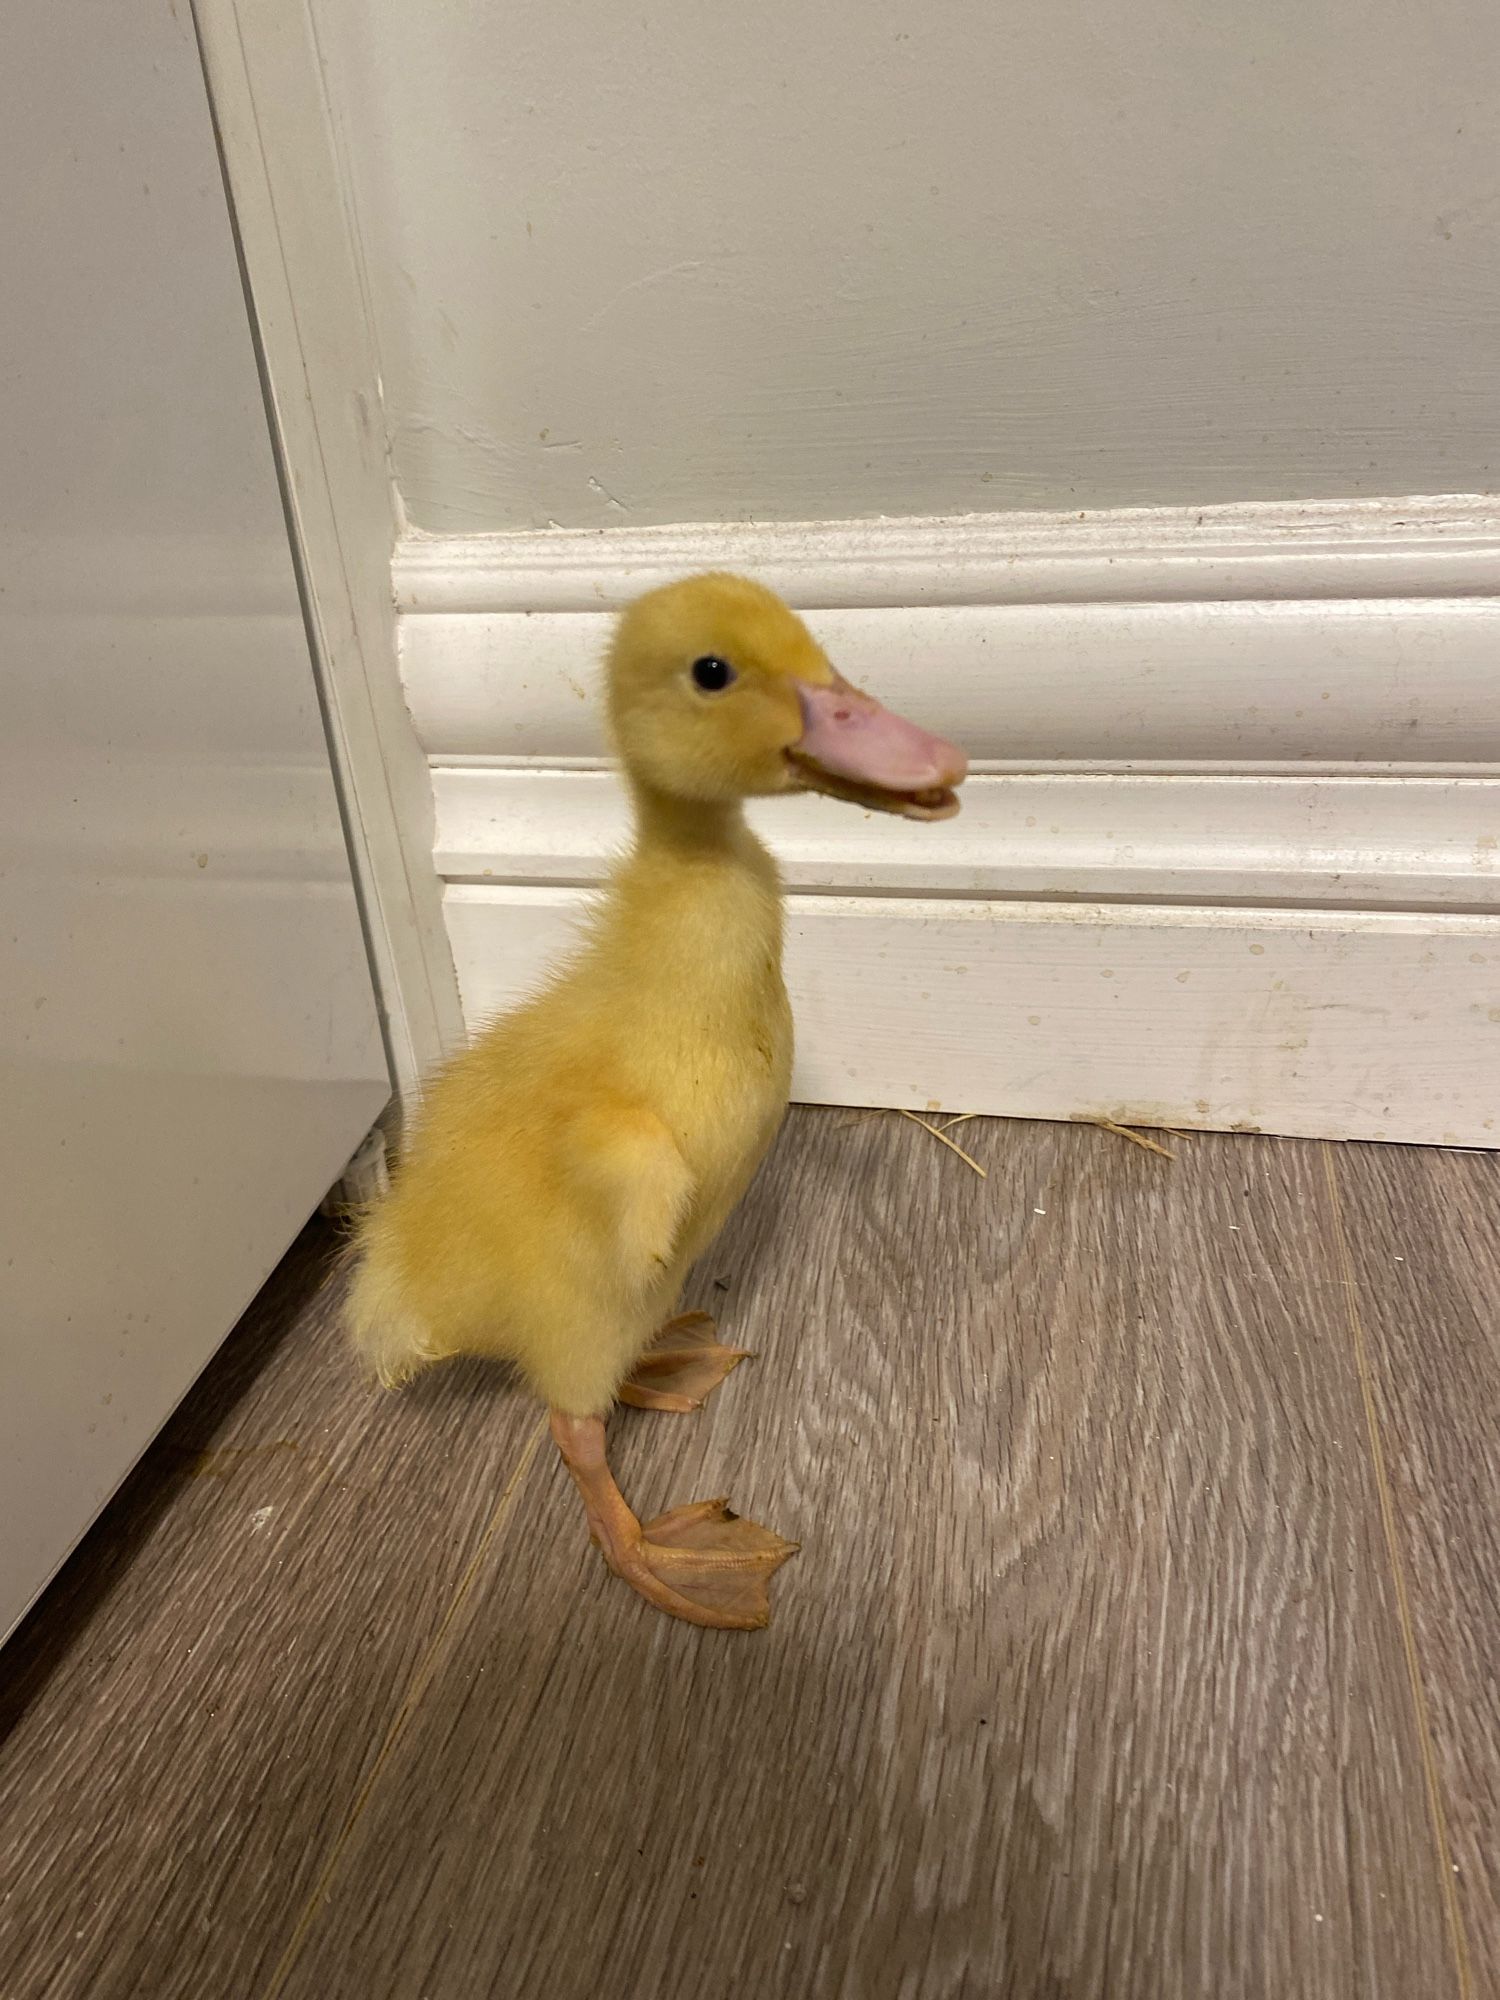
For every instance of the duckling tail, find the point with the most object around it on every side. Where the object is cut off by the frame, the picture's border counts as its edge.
(394, 1341)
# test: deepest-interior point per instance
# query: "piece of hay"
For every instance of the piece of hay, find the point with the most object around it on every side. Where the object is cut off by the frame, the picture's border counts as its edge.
(1135, 1138)
(943, 1140)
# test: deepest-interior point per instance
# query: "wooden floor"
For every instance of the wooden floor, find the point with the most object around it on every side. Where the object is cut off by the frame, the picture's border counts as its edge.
(1144, 1639)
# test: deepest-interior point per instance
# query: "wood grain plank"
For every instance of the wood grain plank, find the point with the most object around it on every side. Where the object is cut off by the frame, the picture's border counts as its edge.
(1423, 1232)
(1088, 1679)
(191, 1710)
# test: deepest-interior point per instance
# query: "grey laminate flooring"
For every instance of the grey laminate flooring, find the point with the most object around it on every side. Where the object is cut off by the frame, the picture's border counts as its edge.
(1144, 1639)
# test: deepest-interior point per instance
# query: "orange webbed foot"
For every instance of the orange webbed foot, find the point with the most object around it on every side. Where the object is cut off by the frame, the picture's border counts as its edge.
(681, 1367)
(701, 1562)
(704, 1563)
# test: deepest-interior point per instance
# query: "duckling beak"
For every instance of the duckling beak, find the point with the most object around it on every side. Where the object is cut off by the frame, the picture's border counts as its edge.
(854, 748)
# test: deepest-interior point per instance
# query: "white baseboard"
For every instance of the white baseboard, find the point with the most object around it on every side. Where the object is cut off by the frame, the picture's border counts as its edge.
(1233, 842)
(1321, 1023)
(1448, 546)
(1326, 684)
(1409, 843)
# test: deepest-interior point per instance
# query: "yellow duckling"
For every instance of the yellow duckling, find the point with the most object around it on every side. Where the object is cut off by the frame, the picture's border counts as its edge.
(571, 1165)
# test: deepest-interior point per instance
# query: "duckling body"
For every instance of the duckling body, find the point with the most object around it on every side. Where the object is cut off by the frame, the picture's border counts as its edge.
(573, 1163)
(570, 1166)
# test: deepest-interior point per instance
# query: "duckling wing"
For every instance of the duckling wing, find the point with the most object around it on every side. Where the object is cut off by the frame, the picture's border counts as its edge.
(627, 1168)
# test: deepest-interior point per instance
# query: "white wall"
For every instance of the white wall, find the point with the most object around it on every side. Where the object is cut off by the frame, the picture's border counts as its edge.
(663, 262)
(189, 1050)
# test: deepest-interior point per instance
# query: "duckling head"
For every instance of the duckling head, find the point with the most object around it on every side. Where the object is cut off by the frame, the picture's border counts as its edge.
(718, 691)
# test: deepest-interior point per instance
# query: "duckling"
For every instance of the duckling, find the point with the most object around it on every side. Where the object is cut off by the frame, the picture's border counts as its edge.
(569, 1167)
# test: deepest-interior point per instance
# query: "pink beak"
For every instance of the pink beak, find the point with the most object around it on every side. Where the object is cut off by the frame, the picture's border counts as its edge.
(873, 756)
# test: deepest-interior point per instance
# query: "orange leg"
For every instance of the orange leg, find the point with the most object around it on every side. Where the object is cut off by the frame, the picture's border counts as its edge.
(681, 1366)
(699, 1562)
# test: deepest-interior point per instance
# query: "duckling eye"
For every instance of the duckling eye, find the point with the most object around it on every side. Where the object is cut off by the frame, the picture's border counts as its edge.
(712, 674)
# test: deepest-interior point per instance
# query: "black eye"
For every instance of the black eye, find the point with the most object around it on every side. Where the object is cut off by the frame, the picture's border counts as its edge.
(712, 674)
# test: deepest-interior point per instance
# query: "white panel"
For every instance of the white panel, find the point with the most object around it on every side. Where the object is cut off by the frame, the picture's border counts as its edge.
(1415, 681)
(1327, 1023)
(188, 1037)
(1351, 842)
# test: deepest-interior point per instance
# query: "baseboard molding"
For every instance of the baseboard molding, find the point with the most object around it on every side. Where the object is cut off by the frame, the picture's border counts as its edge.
(1335, 637)
(1447, 546)
(1313, 684)
(1297, 842)
(1332, 1024)
(1229, 856)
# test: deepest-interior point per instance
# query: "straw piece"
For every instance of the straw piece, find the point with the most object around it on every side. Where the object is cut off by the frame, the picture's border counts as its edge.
(1135, 1138)
(943, 1140)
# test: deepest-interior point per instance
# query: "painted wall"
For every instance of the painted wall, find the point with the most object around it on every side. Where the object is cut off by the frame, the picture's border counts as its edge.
(667, 262)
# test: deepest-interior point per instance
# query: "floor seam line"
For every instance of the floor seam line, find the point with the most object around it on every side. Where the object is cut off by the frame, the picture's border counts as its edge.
(417, 1687)
(1436, 1816)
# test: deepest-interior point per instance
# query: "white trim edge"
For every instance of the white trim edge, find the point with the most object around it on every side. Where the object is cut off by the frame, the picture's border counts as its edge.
(1352, 843)
(276, 130)
(1446, 546)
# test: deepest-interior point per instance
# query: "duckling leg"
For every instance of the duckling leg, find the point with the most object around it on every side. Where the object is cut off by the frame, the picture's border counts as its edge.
(700, 1562)
(682, 1365)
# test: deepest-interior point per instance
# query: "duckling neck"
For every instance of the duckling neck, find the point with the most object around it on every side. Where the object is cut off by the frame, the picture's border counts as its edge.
(691, 830)
(696, 863)
(692, 929)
